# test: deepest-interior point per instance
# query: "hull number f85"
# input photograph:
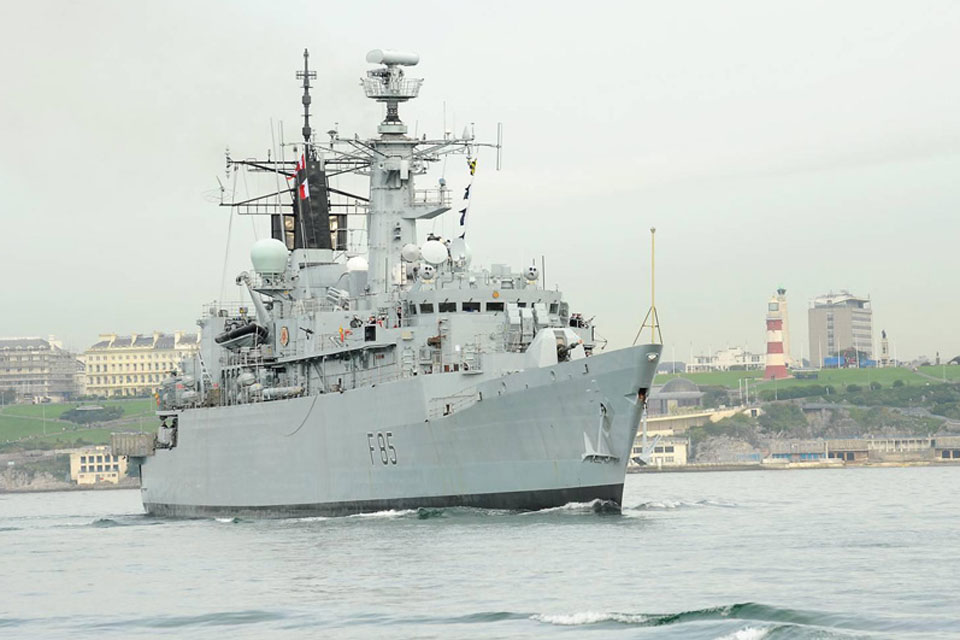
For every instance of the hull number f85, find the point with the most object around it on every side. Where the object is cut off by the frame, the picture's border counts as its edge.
(381, 448)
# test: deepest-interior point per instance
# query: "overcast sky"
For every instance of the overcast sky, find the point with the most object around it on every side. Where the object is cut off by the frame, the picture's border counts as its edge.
(809, 145)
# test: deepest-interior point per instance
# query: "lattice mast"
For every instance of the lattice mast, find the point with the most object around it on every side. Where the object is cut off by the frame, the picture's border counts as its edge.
(652, 320)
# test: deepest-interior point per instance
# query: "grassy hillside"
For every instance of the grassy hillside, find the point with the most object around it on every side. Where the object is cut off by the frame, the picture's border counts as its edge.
(29, 425)
(836, 377)
(950, 372)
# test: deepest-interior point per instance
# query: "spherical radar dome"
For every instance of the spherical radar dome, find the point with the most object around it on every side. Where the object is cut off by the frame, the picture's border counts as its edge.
(410, 252)
(434, 252)
(268, 256)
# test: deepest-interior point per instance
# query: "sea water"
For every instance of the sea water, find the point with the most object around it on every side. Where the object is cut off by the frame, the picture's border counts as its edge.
(850, 553)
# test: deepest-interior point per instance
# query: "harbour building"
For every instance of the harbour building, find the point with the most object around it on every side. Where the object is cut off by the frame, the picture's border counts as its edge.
(134, 365)
(37, 369)
(96, 464)
(841, 330)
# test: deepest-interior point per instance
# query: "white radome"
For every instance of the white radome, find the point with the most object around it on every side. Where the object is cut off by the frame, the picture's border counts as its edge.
(269, 256)
(410, 252)
(357, 263)
(434, 252)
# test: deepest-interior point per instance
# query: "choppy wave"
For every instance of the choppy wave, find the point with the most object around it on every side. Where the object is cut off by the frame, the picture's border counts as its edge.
(768, 622)
(655, 505)
(227, 520)
(594, 506)
(105, 523)
(602, 507)
(389, 513)
(748, 633)
(312, 519)
(223, 618)
(11, 622)
(588, 617)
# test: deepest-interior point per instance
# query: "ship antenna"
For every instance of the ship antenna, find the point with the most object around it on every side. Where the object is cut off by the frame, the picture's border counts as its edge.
(651, 320)
(307, 76)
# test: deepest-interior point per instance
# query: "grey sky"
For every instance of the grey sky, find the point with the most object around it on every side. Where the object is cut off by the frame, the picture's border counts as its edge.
(810, 145)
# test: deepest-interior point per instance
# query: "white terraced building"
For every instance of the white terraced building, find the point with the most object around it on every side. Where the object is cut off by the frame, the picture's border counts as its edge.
(731, 359)
(134, 365)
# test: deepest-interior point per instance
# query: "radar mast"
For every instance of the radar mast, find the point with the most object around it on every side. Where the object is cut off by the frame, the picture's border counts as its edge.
(307, 76)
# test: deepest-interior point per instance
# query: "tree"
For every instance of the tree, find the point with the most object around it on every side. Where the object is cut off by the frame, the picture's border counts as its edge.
(778, 418)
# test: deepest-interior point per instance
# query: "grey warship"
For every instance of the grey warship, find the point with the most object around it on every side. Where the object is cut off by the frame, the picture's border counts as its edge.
(393, 374)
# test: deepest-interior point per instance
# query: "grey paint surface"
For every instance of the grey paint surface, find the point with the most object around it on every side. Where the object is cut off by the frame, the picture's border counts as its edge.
(309, 455)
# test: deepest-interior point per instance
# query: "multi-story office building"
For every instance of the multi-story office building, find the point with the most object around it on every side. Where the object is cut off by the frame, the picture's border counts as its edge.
(37, 369)
(135, 365)
(840, 323)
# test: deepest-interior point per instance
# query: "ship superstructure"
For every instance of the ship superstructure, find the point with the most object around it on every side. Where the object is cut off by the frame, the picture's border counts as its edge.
(393, 376)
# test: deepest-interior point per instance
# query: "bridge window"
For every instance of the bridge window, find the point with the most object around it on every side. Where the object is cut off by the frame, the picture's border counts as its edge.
(554, 307)
(447, 307)
(471, 306)
(494, 306)
(426, 307)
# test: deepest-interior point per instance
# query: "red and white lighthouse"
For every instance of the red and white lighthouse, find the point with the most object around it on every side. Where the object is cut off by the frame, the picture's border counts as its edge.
(777, 356)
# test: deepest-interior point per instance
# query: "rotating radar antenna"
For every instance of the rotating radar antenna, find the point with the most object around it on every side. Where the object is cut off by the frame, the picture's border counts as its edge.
(389, 85)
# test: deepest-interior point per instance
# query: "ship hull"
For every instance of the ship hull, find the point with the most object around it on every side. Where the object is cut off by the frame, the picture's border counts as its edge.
(531, 500)
(532, 439)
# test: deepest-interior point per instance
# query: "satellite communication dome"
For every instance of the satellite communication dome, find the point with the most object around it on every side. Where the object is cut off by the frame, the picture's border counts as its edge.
(410, 252)
(434, 252)
(532, 272)
(357, 263)
(427, 272)
(269, 256)
(460, 250)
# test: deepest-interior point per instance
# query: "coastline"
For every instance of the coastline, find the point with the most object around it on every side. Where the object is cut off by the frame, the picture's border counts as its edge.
(788, 466)
(67, 486)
